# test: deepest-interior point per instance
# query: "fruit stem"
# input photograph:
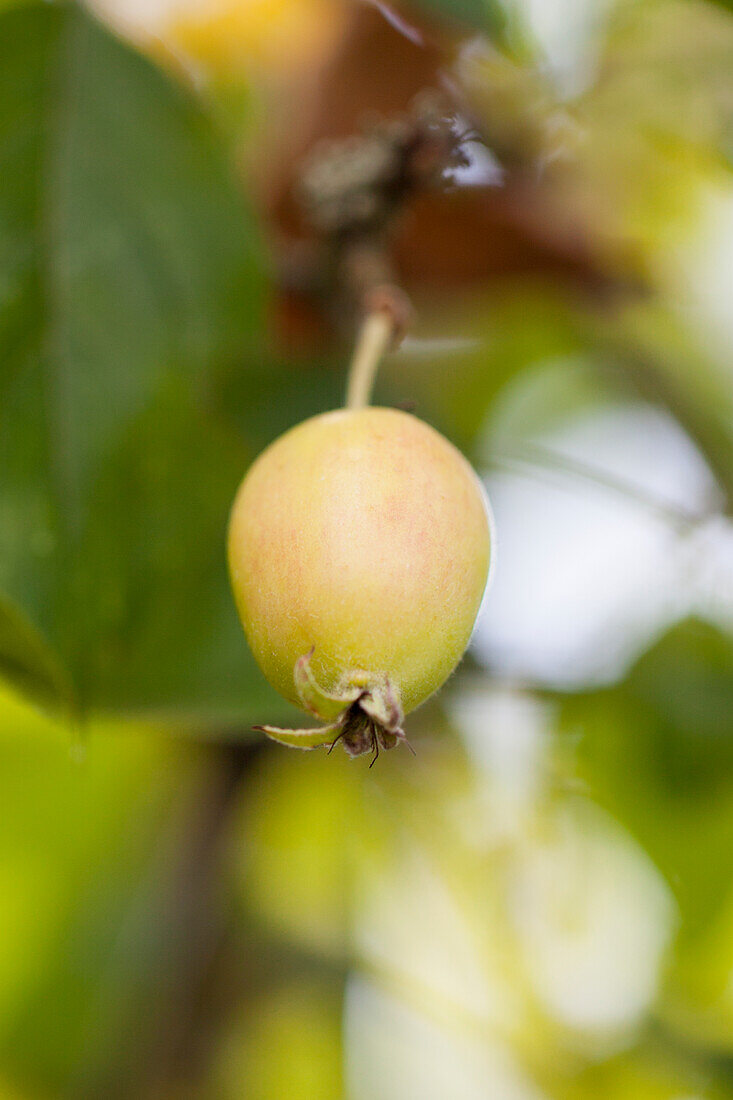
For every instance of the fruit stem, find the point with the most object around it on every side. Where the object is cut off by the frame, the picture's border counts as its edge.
(375, 336)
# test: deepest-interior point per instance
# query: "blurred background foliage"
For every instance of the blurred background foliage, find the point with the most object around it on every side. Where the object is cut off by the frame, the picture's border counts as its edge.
(540, 904)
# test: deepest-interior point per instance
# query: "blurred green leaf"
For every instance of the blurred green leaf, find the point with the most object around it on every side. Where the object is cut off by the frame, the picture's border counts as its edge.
(288, 1043)
(657, 751)
(27, 662)
(291, 826)
(84, 839)
(686, 682)
(500, 334)
(482, 15)
(652, 1073)
(130, 282)
(665, 362)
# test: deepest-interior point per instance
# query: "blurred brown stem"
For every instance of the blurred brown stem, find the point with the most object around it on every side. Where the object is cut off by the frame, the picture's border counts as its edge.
(154, 1014)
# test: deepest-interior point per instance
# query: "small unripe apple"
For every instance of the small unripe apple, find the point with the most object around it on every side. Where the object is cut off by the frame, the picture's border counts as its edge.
(359, 547)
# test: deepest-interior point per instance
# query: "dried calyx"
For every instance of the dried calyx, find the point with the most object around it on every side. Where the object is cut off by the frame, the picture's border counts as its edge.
(365, 714)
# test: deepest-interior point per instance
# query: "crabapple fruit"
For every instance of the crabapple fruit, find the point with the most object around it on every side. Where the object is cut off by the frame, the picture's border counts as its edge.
(359, 547)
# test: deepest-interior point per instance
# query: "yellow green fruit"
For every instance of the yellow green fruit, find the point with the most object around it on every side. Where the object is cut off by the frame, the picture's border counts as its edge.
(359, 548)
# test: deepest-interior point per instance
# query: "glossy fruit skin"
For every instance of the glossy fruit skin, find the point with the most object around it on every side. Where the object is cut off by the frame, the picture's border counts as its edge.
(362, 535)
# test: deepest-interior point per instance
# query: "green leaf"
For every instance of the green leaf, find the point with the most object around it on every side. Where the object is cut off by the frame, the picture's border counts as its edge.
(130, 283)
(483, 15)
(89, 854)
(28, 664)
(657, 751)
